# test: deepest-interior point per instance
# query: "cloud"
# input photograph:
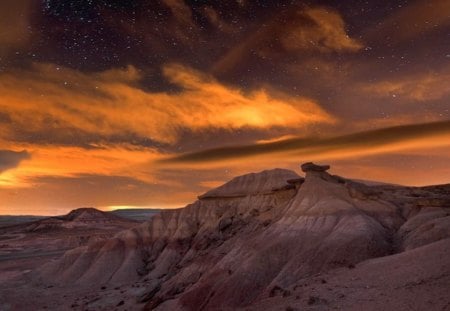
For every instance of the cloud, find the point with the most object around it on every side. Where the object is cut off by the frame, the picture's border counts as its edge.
(98, 177)
(63, 161)
(102, 176)
(215, 20)
(180, 11)
(60, 194)
(183, 27)
(52, 102)
(293, 31)
(416, 19)
(325, 33)
(418, 167)
(419, 87)
(361, 143)
(14, 23)
(11, 159)
(365, 89)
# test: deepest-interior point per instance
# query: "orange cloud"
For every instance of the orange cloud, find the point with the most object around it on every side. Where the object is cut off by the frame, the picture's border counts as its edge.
(63, 117)
(275, 139)
(297, 30)
(378, 141)
(326, 34)
(59, 101)
(59, 161)
(396, 120)
(419, 87)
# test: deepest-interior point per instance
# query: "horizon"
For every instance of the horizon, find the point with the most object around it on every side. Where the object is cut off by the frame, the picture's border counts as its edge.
(137, 103)
(93, 207)
(161, 208)
(103, 209)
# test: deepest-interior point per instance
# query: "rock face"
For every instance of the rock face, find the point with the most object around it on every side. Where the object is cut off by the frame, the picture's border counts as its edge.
(89, 214)
(253, 184)
(258, 233)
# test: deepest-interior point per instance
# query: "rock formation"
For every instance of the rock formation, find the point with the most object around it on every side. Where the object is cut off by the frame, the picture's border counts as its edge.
(311, 167)
(245, 240)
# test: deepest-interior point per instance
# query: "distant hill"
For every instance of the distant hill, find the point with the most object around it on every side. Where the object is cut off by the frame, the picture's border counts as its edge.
(83, 218)
(137, 214)
(50, 235)
(11, 220)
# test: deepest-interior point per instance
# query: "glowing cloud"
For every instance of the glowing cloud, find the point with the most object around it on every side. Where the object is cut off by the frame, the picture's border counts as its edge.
(43, 160)
(110, 104)
(326, 34)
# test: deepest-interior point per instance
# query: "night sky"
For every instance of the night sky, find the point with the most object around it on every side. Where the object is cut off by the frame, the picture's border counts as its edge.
(151, 103)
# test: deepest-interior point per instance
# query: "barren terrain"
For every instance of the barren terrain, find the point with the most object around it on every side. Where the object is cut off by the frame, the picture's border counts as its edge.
(272, 240)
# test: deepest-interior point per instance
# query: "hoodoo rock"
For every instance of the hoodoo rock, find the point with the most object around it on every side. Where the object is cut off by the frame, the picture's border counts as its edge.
(311, 167)
(259, 232)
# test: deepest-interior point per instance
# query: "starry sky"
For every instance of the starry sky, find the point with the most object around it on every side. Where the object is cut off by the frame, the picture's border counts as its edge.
(143, 103)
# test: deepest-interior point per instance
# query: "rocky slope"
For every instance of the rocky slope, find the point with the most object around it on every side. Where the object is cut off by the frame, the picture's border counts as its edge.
(12, 220)
(137, 214)
(255, 236)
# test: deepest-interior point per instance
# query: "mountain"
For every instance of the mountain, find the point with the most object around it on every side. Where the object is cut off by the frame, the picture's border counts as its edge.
(263, 242)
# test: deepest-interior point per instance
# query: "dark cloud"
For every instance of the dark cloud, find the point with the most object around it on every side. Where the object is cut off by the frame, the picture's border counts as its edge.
(11, 159)
(14, 26)
(416, 19)
(311, 146)
(291, 31)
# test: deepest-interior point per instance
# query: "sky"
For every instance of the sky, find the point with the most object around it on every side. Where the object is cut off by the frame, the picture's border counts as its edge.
(117, 104)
